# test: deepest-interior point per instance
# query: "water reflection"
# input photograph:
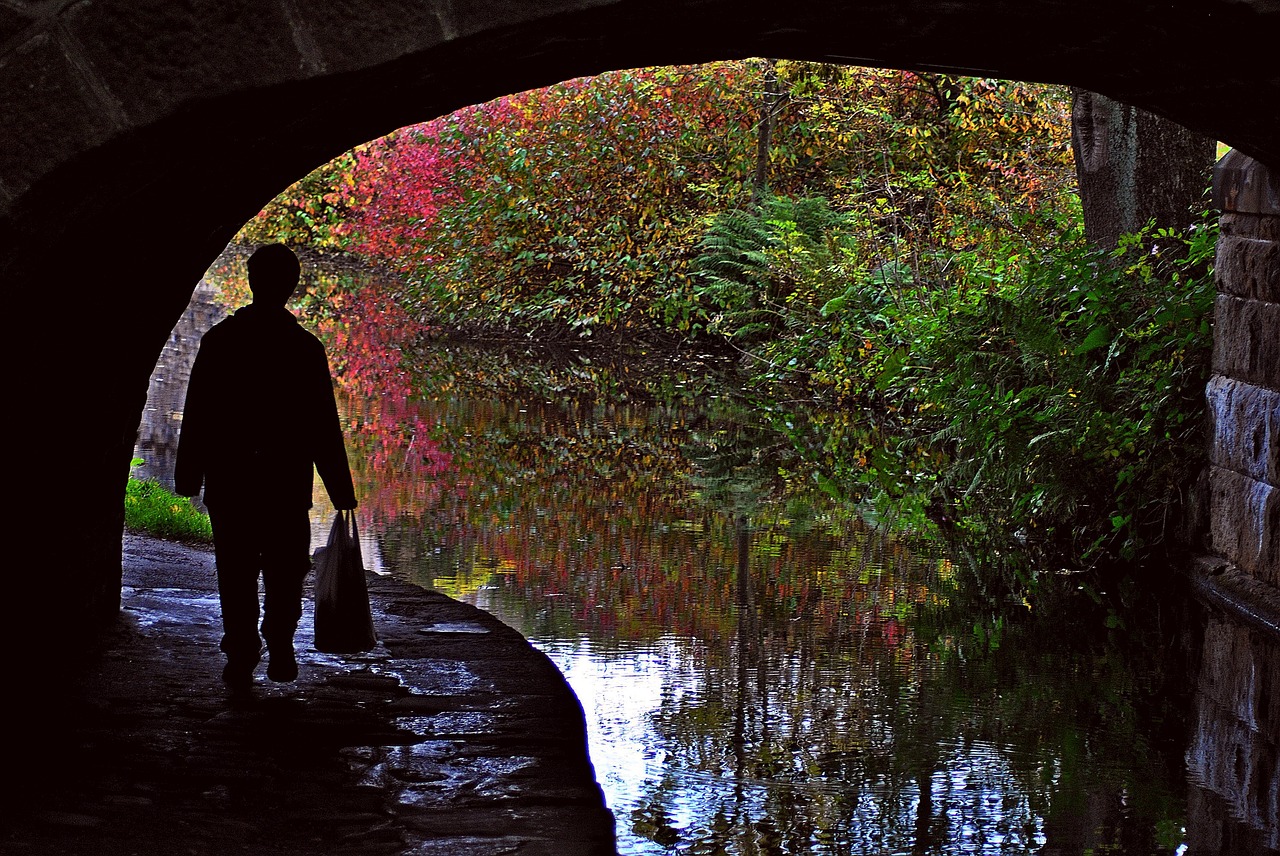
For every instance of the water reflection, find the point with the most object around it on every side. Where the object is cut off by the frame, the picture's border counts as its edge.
(1234, 753)
(764, 673)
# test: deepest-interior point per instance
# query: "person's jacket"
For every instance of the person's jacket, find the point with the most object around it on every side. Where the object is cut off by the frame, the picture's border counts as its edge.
(259, 414)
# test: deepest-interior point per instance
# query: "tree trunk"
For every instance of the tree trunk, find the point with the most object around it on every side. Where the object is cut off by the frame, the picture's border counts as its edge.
(770, 106)
(1134, 167)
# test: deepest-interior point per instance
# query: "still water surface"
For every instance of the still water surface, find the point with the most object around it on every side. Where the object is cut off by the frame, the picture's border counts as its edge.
(761, 670)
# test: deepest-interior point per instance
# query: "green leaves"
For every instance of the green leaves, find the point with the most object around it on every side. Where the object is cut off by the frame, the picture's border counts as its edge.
(316, 212)
(1071, 399)
(833, 306)
(1099, 337)
(151, 508)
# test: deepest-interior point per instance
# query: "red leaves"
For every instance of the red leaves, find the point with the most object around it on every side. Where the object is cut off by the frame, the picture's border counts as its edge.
(571, 203)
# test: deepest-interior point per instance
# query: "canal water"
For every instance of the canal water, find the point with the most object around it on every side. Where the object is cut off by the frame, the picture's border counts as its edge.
(771, 656)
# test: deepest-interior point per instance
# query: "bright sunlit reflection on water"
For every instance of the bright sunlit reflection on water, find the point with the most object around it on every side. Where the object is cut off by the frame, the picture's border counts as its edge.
(620, 693)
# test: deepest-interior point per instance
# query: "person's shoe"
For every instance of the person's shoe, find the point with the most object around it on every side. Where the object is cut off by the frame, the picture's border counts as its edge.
(238, 673)
(282, 667)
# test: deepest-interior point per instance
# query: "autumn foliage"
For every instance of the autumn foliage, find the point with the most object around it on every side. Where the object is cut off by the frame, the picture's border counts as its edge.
(884, 216)
(576, 210)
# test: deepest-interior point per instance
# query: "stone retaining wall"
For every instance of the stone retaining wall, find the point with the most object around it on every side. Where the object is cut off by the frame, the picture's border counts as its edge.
(1244, 393)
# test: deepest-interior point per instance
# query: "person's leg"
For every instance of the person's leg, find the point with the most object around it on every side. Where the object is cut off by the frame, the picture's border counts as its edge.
(286, 559)
(236, 553)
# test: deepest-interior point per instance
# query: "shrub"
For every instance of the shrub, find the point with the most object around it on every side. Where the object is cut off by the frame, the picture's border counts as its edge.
(1069, 405)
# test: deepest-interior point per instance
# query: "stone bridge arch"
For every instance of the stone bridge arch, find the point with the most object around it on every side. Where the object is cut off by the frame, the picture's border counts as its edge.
(138, 136)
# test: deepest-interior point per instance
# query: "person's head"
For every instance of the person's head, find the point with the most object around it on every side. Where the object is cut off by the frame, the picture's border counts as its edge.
(273, 274)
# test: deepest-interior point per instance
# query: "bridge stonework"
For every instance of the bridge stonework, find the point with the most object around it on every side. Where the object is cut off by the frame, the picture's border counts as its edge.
(1244, 392)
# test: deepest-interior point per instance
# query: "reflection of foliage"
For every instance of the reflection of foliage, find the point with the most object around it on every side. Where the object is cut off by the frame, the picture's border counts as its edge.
(861, 666)
(734, 462)
(990, 731)
(653, 822)
(585, 485)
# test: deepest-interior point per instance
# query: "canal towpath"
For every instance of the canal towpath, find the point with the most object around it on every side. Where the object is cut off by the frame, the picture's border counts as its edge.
(454, 735)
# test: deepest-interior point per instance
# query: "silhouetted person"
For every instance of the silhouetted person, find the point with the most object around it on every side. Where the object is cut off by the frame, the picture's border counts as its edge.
(259, 419)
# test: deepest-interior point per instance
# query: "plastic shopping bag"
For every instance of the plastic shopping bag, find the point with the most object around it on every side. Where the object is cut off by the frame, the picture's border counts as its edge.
(343, 619)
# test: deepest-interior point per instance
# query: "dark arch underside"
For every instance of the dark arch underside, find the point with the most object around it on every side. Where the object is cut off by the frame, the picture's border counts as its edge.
(138, 138)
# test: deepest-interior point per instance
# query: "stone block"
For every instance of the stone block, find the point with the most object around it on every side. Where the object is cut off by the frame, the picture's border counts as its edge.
(1245, 425)
(1245, 524)
(465, 19)
(349, 35)
(1257, 226)
(1246, 340)
(154, 54)
(58, 117)
(12, 23)
(1248, 267)
(1241, 183)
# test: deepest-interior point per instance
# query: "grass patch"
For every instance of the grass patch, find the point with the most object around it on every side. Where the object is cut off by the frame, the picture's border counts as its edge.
(149, 507)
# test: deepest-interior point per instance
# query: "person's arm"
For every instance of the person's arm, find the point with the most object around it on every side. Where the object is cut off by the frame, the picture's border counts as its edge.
(190, 462)
(330, 450)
